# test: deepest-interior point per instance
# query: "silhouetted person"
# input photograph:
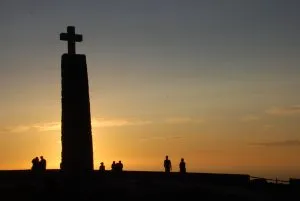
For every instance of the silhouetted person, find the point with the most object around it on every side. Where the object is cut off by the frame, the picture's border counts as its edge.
(119, 166)
(113, 166)
(42, 164)
(35, 164)
(102, 167)
(182, 167)
(167, 164)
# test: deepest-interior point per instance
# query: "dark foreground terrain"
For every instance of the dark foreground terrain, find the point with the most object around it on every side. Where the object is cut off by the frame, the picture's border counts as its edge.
(133, 185)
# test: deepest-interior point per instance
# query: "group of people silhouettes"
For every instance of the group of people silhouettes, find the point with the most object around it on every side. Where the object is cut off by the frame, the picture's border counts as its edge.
(38, 164)
(118, 167)
(115, 167)
(168, 165)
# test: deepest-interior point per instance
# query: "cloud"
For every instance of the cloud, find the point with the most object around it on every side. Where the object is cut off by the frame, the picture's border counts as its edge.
(102, 122)
(183, 120)
(16, 129)
(50, 126)
(286, 143)
(209, 151)
(96, 123)
(40, 127)
(161, 138)
(249, 118)
(268, 127)
(290, 110)
(56, 126)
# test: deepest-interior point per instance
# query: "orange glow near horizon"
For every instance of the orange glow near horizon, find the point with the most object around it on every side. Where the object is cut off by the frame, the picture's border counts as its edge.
(134, 143)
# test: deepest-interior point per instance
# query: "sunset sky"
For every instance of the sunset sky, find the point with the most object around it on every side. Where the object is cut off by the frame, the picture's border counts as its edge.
(215, 82)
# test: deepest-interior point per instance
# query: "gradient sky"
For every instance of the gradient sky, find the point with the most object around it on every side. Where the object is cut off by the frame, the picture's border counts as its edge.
(215, 82)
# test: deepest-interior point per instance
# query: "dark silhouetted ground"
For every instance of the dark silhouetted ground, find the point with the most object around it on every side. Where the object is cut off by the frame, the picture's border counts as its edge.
(134, 185)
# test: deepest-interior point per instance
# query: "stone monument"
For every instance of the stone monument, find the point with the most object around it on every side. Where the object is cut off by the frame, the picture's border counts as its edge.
(76, 134)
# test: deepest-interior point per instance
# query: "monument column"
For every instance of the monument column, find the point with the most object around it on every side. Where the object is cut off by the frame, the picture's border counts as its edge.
(76, 134)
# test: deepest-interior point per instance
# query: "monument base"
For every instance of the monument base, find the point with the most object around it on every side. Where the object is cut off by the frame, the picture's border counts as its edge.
(76, 135)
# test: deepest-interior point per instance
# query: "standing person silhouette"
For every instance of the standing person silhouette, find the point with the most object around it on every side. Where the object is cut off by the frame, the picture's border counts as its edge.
(35, 164)
(167, 164)
(113, 166)
(42, 164)
(182, 167)
(120, 166)
(102, 167)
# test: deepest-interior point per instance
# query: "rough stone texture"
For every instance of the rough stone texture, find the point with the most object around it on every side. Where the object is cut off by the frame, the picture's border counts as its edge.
(76, 134)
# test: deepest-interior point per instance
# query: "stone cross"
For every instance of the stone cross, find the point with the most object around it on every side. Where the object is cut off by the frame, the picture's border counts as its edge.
(72, 38)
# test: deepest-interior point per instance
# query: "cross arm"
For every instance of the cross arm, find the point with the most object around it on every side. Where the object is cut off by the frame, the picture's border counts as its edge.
(63, 36)
(66, 37)
(78, 38)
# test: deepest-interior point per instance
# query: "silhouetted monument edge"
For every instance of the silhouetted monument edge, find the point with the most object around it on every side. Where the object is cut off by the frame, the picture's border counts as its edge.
(76, 131)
